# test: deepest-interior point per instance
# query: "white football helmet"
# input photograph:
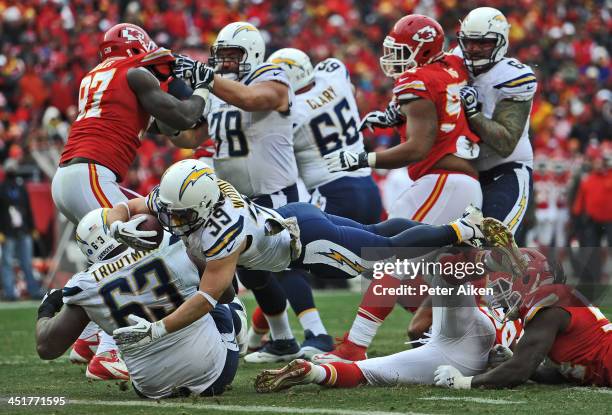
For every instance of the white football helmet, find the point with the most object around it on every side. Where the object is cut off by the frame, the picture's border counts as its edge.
(186, 196)
(243, 36)
(296, 64)
(484, 23)
(93, 236)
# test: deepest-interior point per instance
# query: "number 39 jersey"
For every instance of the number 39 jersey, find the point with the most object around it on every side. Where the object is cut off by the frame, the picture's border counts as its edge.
(254, 150)
(325, 120)
(111, 121)
(236, 220)
(152, 284)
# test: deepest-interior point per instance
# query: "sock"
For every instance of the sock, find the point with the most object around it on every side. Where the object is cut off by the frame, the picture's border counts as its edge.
(372, 311)
(279, 326)
(311, 320)
(107, 343)
(90, 329)
(342, 375)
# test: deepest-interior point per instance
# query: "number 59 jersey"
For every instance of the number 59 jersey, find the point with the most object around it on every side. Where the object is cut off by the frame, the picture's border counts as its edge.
(254, 150)
(152, 284)
(111, 120)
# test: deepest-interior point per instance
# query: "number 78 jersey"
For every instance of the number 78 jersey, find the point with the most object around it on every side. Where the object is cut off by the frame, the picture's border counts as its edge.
(325, 120)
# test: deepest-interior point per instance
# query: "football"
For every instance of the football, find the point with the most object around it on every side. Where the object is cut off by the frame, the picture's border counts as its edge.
(151, 224)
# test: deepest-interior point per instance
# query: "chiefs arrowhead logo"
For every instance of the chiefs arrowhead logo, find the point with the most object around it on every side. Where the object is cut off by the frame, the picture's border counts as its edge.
(426, 34)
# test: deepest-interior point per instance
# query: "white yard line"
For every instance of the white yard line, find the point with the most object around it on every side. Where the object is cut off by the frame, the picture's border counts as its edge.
(236, 408)
(591, 390)
(18, 305)
(471, 399)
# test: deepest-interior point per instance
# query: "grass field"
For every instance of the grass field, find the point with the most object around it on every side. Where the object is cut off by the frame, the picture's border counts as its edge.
(23, 374)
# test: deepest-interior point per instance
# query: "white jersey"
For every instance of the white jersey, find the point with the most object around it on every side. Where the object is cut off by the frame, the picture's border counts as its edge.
(508, 79)
(238, 219)
(153, 284)
(325, 119)
(254, 149)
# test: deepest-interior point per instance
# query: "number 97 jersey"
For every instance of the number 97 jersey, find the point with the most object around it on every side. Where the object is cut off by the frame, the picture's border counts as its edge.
(325, 119)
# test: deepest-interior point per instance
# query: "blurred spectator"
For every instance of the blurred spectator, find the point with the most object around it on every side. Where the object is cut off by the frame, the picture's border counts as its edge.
(16, 228)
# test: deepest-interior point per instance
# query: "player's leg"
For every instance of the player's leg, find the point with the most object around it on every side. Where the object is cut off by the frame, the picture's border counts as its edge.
(356, 198)
(435, 199)
(506, 193)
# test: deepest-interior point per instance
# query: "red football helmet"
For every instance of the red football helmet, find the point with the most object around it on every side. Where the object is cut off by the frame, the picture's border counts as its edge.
(125, 40)
(415, 40)
(509, 292)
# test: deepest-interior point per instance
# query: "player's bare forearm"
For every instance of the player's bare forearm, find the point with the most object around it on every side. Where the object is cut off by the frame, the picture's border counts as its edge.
(190, 138)
(177, 114)
(530, 351)
(216, 279)
(503, 131)
(264, 96)
(120, 213)
(421, 132)
(56, 334)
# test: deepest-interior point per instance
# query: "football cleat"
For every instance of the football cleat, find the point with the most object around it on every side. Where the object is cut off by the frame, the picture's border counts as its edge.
(83, 350)
(469, 227)
(298, 372)
(276, 351)
(346, 351)
(312, 345)
(505, 250)
(107, 366)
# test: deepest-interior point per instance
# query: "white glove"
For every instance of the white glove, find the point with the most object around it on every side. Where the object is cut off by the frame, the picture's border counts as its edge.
(498, 355)
(390, 117)
(449, 377)
(346, 161)
(203, 76)
(140, 333)
(127, 233)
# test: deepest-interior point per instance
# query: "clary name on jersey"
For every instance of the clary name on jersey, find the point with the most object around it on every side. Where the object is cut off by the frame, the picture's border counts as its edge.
(424, 289)
(328, 95)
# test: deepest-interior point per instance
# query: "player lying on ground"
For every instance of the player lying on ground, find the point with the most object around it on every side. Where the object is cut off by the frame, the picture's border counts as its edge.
(201, 359)
(228, 231)
(461, 333)
(560, 324)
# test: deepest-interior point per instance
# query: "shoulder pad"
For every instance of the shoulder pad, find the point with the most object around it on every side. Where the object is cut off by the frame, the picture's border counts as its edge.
(79, 288)
(410, 86)
(267, 72)
(157, 56)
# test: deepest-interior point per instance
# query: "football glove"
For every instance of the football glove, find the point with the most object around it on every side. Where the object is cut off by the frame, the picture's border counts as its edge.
(449, 377)
(498, 355)
(203, 76)
(346, 161)
(140, 333)
(128, 233)
(183, 67)
(51, 303)
(469, 100)
(390, 117)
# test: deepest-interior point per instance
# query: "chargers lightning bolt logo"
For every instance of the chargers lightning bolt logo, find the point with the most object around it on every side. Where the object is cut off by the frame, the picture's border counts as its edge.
(342, 260)
(193, 177)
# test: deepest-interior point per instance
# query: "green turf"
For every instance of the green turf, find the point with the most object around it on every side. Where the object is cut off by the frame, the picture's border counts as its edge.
(23, 374)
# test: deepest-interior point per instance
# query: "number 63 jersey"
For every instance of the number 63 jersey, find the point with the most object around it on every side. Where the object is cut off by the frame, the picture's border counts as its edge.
(325, 120)
(152, 284)
(254, 150)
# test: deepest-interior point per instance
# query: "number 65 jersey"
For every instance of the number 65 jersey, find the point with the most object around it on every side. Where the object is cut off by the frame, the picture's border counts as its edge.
(254, 150)
(152, 284)
(325, 120)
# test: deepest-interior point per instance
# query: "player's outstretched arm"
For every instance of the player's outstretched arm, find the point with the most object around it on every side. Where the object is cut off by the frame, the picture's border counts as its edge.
(55, 333)
(217, 277)
(421, 132)
(263, 96)
(530, 351)
(503, 131)
(177, 114)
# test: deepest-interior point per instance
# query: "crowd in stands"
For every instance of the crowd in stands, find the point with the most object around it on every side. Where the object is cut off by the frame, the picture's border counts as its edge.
(47, 46)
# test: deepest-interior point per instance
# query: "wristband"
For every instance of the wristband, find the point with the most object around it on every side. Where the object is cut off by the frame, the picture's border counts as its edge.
(126, 208)
(158, 329)
(208, 298)
(372, 159)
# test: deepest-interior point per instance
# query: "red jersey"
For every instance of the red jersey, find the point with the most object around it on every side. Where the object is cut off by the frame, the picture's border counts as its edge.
(584, 350)
(506, 333)
(111, 121)
(439, 82)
